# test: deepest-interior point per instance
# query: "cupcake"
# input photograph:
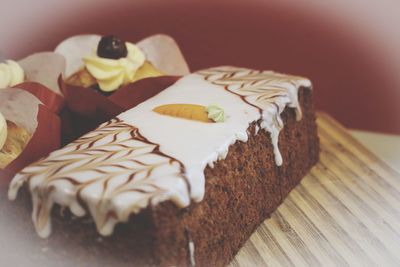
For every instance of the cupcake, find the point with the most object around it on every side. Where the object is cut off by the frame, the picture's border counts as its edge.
(109, 64)
(113, 64)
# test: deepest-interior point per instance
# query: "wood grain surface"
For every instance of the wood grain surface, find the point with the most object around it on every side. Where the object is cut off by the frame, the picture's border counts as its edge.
(345, 212)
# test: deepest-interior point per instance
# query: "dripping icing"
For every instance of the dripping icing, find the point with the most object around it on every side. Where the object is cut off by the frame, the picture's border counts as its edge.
(268, 91)
(97, 171)
(191, 248)
(182, 148)
(191, 254)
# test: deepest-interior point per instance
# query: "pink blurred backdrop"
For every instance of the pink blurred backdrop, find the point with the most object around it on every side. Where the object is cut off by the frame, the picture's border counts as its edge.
(350, 49)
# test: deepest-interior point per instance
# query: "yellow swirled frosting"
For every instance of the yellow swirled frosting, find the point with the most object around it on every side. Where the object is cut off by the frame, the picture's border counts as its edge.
(11, 74)
(110, 74)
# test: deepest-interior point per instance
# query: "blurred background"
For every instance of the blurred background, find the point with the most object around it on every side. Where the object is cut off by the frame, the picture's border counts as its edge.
(349, 49)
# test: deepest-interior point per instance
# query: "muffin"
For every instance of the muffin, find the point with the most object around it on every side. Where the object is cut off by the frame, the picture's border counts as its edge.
(113, 64)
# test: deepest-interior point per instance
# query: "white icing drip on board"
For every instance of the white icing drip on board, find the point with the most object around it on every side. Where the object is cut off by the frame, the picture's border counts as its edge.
(187, 148)
(191, 254)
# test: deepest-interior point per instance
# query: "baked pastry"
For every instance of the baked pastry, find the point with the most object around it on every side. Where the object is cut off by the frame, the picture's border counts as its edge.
(3, 130)
(13, 140)
(114, 64)
(166, 185)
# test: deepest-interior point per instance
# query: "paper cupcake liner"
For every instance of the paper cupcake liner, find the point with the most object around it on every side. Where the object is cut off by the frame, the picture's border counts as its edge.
(48, 97)
(38, 119)
(45, 139)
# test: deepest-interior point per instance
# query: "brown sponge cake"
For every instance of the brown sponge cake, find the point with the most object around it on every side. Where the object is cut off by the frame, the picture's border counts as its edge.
(240, 191)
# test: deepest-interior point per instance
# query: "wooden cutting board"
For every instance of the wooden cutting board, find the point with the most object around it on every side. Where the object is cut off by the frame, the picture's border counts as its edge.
(345, 212)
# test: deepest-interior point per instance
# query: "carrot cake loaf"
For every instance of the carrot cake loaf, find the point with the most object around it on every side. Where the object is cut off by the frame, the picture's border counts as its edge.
(182, 179)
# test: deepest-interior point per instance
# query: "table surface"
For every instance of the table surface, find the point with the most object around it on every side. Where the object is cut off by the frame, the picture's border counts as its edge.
(345, 212)
(385, 146)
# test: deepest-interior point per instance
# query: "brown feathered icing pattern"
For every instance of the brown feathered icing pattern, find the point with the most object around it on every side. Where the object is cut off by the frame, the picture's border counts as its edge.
(99, 172)
(268, 91)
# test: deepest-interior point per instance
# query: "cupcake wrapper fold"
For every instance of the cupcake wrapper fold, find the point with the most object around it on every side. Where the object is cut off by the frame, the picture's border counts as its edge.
(53, 101)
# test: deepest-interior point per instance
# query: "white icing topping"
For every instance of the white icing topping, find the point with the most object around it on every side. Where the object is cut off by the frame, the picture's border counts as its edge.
(195, 144)
(271, 92)
(191, 254)
(142, 158)
(113, 170)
